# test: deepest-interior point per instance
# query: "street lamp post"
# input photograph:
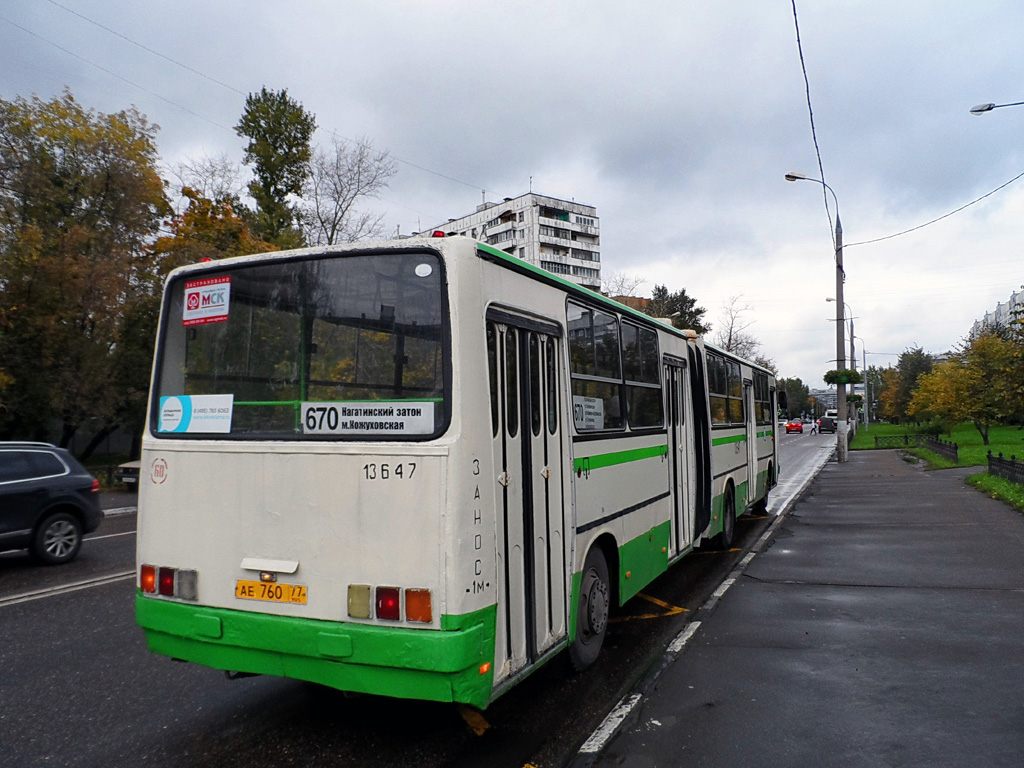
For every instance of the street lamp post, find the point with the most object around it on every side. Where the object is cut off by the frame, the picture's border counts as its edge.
(842, 449)
(853, 354)
(867, 384)
(981, 109)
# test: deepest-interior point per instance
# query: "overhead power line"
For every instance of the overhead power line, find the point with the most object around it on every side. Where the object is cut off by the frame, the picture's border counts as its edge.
(194, 71)
(113, 74)
(814, 134)
(146, 48)
(940, 218)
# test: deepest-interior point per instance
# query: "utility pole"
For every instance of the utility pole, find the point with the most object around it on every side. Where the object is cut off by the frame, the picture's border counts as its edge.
(842, 454)
(853, 367)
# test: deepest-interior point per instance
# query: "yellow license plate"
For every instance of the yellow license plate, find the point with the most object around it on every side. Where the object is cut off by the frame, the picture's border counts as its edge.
(271, 592)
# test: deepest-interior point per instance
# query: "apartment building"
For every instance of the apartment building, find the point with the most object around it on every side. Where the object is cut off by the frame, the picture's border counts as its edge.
(1001, 317)
(560, 236)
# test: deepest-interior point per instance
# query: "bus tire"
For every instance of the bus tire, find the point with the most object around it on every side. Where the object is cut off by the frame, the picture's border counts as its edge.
(591, 611)
(724, 538)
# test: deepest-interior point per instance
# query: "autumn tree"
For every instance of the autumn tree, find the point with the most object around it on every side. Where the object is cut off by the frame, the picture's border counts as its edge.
(80, 197)
(279, 131)
(206, 230)
(975, 385)
(338, 180)
(900, 385)
(678, 306)
(888, 405)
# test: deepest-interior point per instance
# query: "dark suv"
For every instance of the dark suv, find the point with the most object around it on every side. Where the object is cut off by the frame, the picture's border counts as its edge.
(827, 424)
(47, 501)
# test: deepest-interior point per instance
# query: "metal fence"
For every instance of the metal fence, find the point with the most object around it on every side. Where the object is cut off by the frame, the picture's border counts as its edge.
(950, 451)
(934, 444)
(1009, 469)
(899, 441)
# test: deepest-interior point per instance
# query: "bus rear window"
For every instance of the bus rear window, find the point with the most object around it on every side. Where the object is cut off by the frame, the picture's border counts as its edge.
(343, 347)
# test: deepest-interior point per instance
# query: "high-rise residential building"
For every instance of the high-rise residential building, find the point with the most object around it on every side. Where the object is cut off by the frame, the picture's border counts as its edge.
(560, 236)
(1003, 316)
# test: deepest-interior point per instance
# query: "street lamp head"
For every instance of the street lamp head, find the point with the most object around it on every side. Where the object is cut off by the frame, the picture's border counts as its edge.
(982, 108)
(795, 176)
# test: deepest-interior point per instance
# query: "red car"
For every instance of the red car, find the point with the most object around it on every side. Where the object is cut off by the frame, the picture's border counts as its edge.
(795, 425)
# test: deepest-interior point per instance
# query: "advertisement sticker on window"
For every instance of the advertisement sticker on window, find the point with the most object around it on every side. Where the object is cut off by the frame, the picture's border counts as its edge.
(206, 301)
(196, 413)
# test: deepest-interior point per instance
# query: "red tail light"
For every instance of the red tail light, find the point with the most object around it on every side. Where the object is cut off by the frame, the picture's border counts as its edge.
(388, 604)
(166, 582)
(95, 485)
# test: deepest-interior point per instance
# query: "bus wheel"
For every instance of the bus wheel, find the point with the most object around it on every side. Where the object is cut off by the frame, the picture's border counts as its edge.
(591, 611)
(724, 539)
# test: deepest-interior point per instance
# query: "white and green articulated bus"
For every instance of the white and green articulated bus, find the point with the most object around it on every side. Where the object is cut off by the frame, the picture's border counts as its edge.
(422, 468)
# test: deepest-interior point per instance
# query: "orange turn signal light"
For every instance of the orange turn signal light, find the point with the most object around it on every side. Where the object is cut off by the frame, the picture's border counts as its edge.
(417, 606)
(147, 579)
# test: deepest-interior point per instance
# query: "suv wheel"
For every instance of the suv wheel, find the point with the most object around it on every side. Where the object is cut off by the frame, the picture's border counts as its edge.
(58, 539)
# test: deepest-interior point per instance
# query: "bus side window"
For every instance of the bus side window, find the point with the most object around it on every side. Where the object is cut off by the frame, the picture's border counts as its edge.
(492, 373)
(717, 388)
(552, 386)
(512, 383)
(535, 392)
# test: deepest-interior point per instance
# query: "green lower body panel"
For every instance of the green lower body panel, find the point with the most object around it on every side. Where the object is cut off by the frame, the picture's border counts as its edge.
(643, 559)
(450, 664)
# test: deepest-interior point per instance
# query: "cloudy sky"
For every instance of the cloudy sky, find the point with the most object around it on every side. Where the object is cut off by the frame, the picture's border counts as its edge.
(676, 119)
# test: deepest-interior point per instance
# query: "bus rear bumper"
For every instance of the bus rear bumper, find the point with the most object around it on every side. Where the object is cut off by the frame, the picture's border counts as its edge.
(451, 664)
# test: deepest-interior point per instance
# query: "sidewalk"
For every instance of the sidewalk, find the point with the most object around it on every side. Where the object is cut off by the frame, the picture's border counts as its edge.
(883, 626)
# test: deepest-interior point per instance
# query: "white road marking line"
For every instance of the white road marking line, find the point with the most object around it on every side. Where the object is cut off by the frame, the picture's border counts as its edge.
(39, 594)
(605, 730)
(722, 588)
(683, 637)
(109, 536)
(116, 511)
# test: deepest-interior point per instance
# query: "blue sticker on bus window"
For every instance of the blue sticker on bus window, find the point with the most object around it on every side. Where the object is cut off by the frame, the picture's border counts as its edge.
(196, 413)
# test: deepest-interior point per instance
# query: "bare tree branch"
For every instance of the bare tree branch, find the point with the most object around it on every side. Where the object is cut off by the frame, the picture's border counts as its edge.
(732, 336)
(338, 180)
(216, 178)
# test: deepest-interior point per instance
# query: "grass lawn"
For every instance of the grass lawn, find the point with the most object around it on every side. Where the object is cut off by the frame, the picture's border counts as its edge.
(998, 488)
(1008, 440)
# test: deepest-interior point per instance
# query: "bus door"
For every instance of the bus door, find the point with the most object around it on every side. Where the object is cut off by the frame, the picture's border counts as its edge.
(528, 452)
(751, 423)
(682, 470)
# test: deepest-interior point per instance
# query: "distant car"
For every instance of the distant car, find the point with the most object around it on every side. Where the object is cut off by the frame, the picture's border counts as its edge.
(128, 473)
(48, 501)
(795, 425)
(827, 424)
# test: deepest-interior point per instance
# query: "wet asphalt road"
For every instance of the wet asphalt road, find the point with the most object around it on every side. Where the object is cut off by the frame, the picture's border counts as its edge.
(884, 626)
(79, 687)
